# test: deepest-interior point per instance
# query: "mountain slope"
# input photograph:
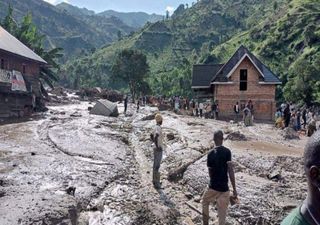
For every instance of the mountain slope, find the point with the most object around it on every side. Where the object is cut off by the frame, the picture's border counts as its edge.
(75, 34)
(173, 45)
(133, 19)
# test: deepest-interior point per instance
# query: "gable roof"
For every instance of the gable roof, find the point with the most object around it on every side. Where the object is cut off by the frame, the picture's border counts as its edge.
(225, 72)
(202, 75)
(11, 44)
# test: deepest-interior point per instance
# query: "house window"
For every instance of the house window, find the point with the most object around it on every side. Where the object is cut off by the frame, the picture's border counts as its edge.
(23, 68)
(2, 63)
(243, 80)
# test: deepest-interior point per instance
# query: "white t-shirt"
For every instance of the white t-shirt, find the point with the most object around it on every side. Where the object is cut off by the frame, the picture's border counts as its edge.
(158, 130)
(201, 105)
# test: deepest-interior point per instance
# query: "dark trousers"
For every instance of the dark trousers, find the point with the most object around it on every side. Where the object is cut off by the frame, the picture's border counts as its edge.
(200, 112)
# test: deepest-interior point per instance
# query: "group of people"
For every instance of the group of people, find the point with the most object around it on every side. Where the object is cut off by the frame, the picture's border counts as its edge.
(247, 113)
(288, 116)
(221, 169)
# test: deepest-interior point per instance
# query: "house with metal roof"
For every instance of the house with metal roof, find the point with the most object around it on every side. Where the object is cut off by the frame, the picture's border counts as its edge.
(244, 77)
(19, 76)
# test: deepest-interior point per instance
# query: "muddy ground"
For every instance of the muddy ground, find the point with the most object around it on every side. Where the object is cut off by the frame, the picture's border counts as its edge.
(69, 167)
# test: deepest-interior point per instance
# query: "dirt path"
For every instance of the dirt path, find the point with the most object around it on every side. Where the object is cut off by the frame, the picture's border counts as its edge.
(109, 163)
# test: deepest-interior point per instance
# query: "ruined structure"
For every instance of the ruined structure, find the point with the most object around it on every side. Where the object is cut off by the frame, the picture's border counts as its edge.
(19, 76)
(244, 77)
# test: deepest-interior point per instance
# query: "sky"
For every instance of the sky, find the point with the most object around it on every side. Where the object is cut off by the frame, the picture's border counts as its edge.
(148, 6)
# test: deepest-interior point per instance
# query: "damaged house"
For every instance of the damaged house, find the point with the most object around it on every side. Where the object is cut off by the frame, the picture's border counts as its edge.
(244, 77)
(19, 76)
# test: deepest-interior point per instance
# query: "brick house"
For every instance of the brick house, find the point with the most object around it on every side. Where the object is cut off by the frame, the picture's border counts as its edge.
(19, 76)
(244, 77)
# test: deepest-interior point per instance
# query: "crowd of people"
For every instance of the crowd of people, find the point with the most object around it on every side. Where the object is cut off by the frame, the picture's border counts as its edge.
(300, 119)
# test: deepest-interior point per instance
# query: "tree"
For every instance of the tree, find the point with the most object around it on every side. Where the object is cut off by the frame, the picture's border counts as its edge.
(303, 82)
(131, 66)
(9, 23)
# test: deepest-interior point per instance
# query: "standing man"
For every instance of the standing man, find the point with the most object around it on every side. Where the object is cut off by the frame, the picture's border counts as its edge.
(287, 115)
(219, 165)
(157, 151)
(214, 110)
(201, 109)
(309, 212)
(125, 104)
(236, 109)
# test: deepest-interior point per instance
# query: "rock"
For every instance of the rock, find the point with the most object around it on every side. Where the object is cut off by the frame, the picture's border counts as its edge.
(75, 114)
(236, 136)
(32, 153)
(275, 176)
(71, 191)
(149, 117)
(164, 107)
(289, 134)
(170, 136)
(189, 195)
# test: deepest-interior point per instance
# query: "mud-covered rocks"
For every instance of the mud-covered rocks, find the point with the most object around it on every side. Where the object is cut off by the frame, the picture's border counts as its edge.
(289, 134)
(236, 136)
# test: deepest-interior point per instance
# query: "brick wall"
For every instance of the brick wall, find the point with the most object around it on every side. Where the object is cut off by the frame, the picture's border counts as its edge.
(32, 69)
(262, 96)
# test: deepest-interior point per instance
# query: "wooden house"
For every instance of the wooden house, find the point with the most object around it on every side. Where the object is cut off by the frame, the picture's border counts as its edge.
(244, 77)
(19, 76)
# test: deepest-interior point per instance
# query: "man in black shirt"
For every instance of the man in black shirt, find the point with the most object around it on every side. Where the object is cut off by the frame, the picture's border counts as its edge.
(219, 165)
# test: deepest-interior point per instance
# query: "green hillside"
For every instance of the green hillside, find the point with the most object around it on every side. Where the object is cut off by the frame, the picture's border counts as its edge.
(280, 32)
(132, 19)
(76, 34)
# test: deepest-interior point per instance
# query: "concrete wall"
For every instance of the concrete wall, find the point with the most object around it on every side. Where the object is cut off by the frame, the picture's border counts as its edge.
(262, 96)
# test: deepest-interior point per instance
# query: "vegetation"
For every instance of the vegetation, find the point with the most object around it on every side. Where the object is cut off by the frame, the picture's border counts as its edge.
(78, 34)
(284, 34)
(28, 34)
(131, 67)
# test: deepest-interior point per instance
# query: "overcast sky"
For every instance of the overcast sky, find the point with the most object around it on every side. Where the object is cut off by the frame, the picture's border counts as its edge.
(149, 6)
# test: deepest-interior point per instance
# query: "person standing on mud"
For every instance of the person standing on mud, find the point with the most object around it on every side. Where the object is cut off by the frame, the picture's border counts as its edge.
(309, 212)
(236, 109)
(304, 118)
(157, 151)
(219, 165)
(125, 104)
(287, 115)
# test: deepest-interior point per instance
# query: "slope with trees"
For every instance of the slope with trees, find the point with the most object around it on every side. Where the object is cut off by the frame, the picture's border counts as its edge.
(174, 45)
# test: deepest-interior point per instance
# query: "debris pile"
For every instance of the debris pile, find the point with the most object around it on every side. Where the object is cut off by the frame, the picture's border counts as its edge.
(236, 136)
(98, 93)
(289, 134)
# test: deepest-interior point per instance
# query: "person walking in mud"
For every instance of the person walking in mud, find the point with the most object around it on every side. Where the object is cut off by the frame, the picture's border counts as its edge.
(220, 166)
(157, 151)
(309, 212)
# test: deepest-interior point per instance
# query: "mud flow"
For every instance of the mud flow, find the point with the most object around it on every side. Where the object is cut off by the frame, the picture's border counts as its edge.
(69, 167)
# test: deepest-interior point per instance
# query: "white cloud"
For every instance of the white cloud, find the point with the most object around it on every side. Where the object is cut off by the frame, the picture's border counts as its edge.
(54, 2)
(170, 9)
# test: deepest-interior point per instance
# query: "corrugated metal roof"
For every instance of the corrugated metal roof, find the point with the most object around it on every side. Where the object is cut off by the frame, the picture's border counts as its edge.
(202, 74)
(11, 44)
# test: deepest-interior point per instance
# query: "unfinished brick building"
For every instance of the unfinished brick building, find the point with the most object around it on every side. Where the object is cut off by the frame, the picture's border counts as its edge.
(19, 76)
(244, 77)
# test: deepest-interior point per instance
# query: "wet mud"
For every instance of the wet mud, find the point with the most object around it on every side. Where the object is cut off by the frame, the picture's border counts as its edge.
(69, 167)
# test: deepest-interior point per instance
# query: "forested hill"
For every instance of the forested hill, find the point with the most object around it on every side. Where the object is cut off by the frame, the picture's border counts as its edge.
(75, 34)
(133, 19)
(280, 32)
(176, 43)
